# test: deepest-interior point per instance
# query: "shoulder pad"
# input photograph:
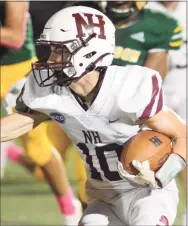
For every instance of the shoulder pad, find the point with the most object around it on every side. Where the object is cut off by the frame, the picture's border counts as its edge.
(136, 91)
(33, 91)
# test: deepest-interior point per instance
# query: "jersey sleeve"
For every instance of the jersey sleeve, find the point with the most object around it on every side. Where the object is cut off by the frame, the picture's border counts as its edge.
(23, 108)
(168, 33)
(20, 104)
(141, 97)
(176, 38)
(28, 95)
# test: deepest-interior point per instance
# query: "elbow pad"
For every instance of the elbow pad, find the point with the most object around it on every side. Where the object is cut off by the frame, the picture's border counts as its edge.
(170, 169)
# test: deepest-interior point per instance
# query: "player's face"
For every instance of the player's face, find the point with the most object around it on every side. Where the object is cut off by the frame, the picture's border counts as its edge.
(121, 5)
(58, 55)
(121, 11)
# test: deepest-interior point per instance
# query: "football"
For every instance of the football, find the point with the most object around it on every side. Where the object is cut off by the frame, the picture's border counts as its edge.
(146, 145)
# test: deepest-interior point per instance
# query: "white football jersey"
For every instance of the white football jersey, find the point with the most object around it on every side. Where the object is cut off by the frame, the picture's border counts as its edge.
(126, 94)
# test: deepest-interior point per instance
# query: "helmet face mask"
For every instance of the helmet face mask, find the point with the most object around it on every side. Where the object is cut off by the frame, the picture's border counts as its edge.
(62, 70)
(84, 41)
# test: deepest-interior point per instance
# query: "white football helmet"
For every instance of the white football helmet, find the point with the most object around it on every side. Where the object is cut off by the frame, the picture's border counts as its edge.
(89, 37)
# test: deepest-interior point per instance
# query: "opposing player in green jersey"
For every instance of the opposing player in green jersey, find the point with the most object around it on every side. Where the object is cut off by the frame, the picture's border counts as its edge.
(16, 43)
(143, 36)
(17, 52)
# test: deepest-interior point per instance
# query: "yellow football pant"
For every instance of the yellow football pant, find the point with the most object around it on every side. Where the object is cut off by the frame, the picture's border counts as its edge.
(80, 176)
(38, 143)
(11, 74)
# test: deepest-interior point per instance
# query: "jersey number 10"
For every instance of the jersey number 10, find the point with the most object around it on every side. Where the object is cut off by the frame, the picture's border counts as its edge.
(100, 153)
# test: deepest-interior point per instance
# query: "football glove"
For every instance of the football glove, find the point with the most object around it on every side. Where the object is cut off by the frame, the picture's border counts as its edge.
(161, 178)
(144, 177)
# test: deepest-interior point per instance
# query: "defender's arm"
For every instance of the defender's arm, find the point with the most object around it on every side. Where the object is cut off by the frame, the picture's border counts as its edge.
(17, 124)
(13, 32)
(158, 61)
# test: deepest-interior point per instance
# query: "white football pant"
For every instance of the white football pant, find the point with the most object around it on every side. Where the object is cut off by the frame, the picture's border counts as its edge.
(138, 206)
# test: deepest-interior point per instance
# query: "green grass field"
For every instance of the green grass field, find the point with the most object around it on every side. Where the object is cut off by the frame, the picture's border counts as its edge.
(25, 201)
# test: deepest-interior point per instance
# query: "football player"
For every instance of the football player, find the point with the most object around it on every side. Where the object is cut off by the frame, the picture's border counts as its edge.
(17, 52)
(143, 36)
(100, 107)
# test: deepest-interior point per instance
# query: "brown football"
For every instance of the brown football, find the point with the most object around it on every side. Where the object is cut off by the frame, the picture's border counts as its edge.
(146, 145)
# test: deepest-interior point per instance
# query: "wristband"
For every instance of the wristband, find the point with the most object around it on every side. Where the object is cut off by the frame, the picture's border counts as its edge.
(169, 170)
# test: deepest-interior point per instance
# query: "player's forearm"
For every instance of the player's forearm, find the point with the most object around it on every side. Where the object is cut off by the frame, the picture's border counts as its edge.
(177, 132)
(12, 34)
(170, 124)
(15, 125)
(158, 61)
(13, 134)
(175, 163)
(179, 147)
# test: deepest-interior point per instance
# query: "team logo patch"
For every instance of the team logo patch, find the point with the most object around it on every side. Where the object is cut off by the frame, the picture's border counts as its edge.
(58, 117)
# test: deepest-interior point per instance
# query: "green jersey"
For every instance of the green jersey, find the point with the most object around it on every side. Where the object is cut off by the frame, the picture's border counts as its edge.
(154, 31)
(26, 52)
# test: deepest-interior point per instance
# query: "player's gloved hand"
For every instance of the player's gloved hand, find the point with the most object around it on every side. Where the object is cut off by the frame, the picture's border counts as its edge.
(144, 177)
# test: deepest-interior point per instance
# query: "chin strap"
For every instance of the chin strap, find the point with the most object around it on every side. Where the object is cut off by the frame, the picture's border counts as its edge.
(92, 66)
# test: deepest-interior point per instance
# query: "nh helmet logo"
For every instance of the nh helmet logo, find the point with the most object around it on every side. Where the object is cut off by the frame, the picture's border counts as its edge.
(88, 23)
(58, 117)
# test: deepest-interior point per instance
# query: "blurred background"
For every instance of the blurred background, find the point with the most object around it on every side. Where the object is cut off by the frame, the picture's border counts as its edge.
(152, 34)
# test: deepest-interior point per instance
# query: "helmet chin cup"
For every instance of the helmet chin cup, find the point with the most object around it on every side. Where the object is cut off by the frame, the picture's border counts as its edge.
(69, 71)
